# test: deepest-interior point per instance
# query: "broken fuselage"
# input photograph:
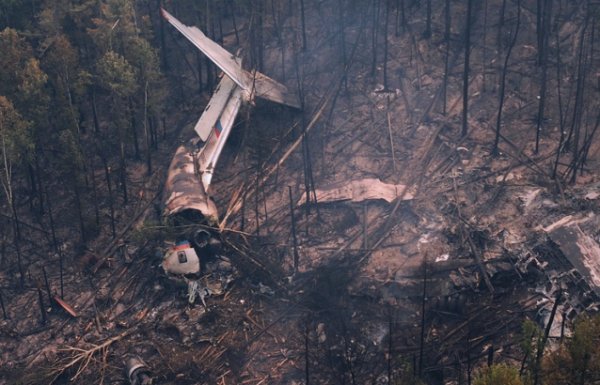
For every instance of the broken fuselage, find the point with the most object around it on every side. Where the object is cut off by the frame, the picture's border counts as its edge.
(187, 190)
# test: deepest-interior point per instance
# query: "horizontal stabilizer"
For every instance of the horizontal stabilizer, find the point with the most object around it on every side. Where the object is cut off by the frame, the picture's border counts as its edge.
(267, 88)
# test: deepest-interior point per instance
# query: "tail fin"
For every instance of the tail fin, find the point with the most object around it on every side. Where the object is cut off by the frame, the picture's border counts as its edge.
(253, 84)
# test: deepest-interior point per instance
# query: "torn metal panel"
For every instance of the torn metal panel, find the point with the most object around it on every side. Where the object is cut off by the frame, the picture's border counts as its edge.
(571, 234)
(362, 190)
(184, 189)
(181, 260)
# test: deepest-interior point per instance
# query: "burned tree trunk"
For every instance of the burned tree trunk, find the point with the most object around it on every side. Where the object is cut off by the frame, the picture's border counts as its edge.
(110, 194)
(575, 131)
(340, 4)
(560, 107)
(503, 80)
(423, 303)
(427, 32)
(465, 113)
(385, 46)
(375, 35)
(303, 21)
(446, 55)
(501, 26)
(544, 78)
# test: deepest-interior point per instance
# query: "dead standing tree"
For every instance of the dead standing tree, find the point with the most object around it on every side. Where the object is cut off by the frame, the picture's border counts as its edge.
(375, 35)
(545, 14)
(465, 114)
(447, 22)
(503, 80)
(400, 17)
(578, 109)
(561, 114)
(303, 21)
(427, 32)
(342, 34)
(385, 46)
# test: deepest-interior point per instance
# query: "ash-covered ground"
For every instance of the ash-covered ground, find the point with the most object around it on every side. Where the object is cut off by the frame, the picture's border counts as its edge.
(433, 284)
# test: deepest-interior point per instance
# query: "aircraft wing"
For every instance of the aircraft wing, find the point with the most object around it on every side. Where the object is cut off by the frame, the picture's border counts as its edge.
(254, 84)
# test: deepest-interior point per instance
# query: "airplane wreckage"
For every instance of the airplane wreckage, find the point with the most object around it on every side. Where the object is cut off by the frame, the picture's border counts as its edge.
(187, 190)
(188, 205)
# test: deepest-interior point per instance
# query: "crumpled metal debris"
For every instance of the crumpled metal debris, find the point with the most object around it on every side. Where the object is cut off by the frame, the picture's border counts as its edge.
(217, 276)
(194, 289)
(571, 234)
(362, 190)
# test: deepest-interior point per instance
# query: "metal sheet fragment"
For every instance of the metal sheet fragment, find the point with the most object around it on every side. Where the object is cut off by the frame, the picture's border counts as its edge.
(362, 190)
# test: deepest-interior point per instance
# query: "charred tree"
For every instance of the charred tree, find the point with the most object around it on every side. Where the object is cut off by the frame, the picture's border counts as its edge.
(503, 80)
(385, 46)
(423, 303)
(163, 44)
(17, 241)
(427, 32)
(561, 117)
(260, 36)
(375, 35)
(485, 47)
(465, 113)
(342, 34)
(447, 18)
(57, 249)
(575, 130)
(231, 4)
(79, 209)
(400, 17)
(107, 171)
(540, 350)
(303, 21)
(501, 26)
(4, 314)
(306, 354)
(543, 58)
(133, 128)
(540, 27)
(199, 64)
(94, 193)
(147, 132)
(294, 238)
